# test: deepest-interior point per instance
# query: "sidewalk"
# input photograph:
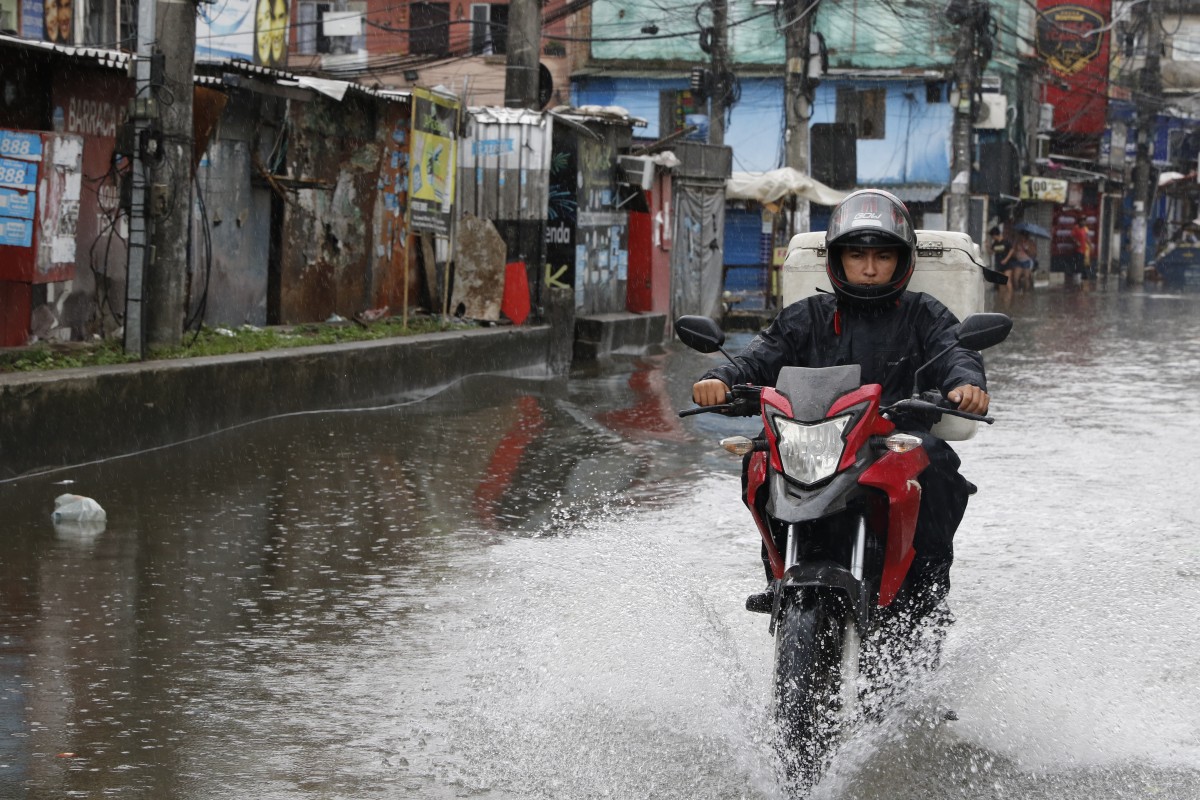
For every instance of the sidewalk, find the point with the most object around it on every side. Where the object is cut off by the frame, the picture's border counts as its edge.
(56, 418)
(70, 416)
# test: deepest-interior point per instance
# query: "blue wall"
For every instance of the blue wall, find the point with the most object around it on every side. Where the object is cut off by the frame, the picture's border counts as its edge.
(916, 147)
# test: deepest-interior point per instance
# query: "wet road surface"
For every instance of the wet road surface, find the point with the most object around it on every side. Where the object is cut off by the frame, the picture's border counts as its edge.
(533, 589)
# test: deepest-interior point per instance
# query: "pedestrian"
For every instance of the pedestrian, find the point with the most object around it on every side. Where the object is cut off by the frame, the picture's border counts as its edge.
(871, 319)
(1082, 241)
(1000, 249)
(1021, 261)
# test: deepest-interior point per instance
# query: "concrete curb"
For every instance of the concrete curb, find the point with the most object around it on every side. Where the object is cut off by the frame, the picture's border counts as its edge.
(72, 416)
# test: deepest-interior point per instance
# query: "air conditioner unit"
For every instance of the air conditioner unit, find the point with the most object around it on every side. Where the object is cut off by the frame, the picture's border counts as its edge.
(992, 111)
(636, 171)
(342, 23)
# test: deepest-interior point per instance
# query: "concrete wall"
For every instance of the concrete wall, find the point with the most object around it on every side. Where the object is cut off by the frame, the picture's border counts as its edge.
(73, 416)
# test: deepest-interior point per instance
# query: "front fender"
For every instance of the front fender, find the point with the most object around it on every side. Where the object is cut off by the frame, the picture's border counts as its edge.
(828, 574)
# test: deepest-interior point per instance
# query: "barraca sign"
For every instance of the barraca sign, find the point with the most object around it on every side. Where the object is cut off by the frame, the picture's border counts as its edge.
(1050, 190)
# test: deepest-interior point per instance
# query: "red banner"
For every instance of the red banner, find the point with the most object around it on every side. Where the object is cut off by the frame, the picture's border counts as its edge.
(1072, 39)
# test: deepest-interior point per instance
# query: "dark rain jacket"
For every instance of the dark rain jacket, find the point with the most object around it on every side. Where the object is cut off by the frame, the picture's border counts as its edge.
(889, 344)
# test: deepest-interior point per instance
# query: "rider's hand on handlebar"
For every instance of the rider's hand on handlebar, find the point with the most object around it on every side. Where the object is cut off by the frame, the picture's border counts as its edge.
(970, 398)
(711, 392)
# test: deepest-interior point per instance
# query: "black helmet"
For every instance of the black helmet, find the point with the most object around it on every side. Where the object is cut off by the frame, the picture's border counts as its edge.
(870, 218)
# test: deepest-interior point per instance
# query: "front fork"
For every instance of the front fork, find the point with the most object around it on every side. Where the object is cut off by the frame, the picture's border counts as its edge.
(851, 635)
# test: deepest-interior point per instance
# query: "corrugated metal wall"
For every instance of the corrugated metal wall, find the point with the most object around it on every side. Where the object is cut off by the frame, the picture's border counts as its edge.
(231, 220)
(504, 177)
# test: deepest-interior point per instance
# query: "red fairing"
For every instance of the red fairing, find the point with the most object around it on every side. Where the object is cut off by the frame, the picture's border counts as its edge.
(896, 474)
(869, 424)
(770, 397)
(756, 475)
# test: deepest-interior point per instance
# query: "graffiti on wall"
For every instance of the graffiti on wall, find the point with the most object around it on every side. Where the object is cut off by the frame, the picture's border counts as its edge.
(392, 232)
(562, 214)
(601, 249)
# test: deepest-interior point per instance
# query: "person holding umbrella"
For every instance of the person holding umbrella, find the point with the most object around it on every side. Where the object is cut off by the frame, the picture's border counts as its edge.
(1028, 251)
(1018, 264)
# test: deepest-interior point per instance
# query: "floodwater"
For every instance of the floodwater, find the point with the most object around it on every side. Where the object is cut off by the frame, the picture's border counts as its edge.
(533, 589)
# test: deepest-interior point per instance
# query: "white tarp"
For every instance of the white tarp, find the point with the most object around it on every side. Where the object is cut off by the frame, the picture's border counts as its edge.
(768, 187)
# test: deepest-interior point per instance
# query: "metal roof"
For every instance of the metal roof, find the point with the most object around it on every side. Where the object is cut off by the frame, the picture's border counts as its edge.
(336, 89)
(913, 192)
(112, 59)
(124, 61)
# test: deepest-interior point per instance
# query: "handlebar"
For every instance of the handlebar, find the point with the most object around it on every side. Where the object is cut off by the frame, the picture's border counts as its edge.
(925, 404)
(742, 400)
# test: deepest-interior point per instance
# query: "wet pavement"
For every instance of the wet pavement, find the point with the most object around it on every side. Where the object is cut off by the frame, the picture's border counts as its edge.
(533, 589)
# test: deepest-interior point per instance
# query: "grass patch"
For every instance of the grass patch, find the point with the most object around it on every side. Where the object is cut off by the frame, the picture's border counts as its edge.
(217, 341)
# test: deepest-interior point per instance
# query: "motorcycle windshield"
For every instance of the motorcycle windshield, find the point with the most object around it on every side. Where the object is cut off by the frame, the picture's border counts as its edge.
(811, 391)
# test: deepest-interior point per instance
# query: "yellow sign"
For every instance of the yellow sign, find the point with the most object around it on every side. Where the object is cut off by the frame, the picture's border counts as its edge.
(1049, 190)
(433, 160)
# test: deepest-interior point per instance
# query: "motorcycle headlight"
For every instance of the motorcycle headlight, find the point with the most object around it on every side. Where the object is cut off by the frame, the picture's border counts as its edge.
(810, 453)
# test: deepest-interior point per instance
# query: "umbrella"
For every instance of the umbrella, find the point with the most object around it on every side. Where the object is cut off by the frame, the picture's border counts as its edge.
(1032, 230)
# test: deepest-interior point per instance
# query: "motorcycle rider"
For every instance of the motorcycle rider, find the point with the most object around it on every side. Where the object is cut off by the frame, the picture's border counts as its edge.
(872, 320)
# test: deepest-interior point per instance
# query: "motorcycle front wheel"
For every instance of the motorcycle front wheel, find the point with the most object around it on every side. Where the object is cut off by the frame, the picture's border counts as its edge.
(809, 638)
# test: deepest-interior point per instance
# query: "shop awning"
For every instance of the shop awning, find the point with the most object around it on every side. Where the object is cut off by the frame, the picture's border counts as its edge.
(914, 192)
(768, 187)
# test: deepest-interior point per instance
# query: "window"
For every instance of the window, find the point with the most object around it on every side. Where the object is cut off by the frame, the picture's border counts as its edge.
(489, 29)
(429, 29)
(100, 22)
(1185, 43)
(8, 16)
(865, 109)
(312, 36)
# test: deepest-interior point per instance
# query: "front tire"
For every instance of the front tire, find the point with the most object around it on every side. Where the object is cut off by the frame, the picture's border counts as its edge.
(808, 681)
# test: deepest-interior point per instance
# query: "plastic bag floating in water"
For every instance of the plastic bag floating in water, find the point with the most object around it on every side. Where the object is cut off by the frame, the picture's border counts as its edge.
(77, 508)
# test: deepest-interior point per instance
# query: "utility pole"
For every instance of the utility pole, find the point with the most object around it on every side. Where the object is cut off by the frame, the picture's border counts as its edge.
(720, 68)
(171, 185)
(965, 14)
(1149, 98)
(797, 88)
(140, 252)
(524, 44)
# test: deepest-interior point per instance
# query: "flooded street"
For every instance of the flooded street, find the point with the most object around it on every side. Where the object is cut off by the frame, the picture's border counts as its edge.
(533, 589)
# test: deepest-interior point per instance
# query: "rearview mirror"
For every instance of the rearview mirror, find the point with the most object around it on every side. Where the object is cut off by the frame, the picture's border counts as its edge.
(981, 331)
(700, 333)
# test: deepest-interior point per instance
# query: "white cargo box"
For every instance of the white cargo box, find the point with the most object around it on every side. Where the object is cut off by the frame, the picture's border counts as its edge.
(949, 267)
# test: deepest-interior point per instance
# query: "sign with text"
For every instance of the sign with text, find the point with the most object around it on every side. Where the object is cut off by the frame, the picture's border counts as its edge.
(22, 145)
(433, 162)
(1050, 190)
(1072, 40)
(18, 174)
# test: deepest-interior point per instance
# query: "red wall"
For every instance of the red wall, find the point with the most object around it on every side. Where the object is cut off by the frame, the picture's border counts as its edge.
(1077, 63)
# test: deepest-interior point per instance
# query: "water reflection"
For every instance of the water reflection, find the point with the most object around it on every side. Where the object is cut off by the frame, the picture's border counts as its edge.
(236, 561)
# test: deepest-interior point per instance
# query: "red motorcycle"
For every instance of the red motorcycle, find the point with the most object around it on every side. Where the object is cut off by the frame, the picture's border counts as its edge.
(837, 524)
